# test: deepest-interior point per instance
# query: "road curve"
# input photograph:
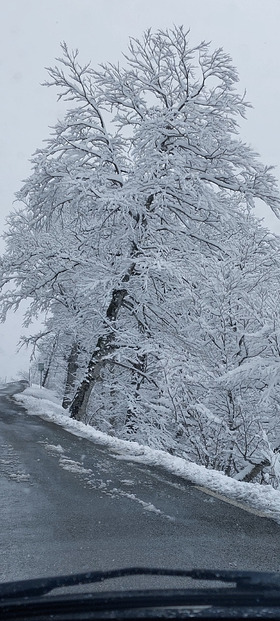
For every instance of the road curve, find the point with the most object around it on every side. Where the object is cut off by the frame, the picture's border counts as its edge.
(69, 505)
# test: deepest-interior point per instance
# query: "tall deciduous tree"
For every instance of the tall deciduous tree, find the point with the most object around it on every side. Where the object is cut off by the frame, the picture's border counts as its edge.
(136, 237)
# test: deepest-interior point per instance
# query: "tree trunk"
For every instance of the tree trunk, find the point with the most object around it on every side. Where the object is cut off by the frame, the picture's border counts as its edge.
(79, 404)
(105, 345)
(47, 370)
(131, 423)
(72, 367)
(256, 469)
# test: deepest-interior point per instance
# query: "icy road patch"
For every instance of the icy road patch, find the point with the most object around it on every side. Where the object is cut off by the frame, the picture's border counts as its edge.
(91, 480)
(10, 466)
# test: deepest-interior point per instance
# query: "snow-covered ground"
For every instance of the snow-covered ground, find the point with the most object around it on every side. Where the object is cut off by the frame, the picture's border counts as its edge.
(261, 498)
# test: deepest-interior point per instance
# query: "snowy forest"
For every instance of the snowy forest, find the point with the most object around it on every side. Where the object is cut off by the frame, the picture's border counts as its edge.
(135, 240)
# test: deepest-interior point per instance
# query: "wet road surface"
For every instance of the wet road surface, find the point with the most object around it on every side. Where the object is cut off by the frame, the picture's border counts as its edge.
(68, 505)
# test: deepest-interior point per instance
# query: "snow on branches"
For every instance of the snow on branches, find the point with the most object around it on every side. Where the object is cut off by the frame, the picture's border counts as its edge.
(135, 236)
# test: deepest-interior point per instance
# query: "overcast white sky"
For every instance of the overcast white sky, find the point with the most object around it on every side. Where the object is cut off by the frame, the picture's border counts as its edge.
(30, 34)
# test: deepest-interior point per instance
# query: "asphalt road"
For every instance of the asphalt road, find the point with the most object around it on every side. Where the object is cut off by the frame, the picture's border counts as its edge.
(68, 505)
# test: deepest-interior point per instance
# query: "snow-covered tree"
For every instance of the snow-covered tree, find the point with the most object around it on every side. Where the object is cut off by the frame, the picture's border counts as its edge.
(135, 237)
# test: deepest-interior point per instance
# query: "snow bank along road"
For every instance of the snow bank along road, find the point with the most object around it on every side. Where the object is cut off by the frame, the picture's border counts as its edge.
(67, 505)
